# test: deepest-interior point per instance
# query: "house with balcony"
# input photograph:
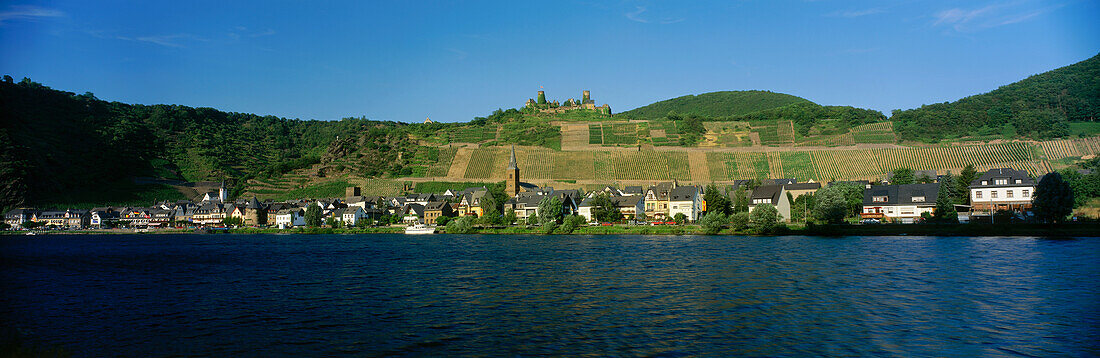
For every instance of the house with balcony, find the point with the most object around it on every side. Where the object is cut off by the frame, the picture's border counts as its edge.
(1001, 189)
(899, 203)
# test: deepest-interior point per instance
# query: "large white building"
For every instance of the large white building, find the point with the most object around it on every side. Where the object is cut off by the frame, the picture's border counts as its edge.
(899, 203)
(687, 200)
(1001, 189)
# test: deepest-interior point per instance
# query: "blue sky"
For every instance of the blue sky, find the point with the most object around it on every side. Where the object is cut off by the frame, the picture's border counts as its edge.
(405, 60)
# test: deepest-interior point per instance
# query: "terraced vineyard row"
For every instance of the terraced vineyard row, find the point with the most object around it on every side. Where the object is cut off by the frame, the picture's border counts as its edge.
(1058, 149)
(489, 163)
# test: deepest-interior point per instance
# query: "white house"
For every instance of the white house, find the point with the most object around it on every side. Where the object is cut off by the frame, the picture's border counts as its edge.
(629, 206)
(776, 195)
(1001, 189)
(290, 217)
(687, 200)
(353, 214)
(900, 203)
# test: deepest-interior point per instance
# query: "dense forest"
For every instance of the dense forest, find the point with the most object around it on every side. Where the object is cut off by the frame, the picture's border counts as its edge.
(806, 115)
(1039, 107)
(54, 142)
(715, 104)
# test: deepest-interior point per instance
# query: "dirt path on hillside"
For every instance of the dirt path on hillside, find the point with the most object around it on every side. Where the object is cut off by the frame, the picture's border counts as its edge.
(460, 162)
(697, 161)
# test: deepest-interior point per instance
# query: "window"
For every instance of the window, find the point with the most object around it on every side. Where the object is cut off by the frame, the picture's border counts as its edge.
(1018, 181)
(1025, 193)
(1008, 194)
(1000, 181)
(985, 182)
(992, 194)
(879, 199)
(918, 199)
(978, 194)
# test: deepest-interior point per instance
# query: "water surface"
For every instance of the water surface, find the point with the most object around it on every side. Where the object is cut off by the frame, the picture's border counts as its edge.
(445, 295)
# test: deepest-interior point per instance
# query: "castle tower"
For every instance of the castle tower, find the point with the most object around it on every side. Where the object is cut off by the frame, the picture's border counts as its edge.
(511, 186)
(586, 97)
(542, 97)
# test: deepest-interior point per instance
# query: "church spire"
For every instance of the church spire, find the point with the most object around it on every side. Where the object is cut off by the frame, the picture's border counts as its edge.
(512, 163)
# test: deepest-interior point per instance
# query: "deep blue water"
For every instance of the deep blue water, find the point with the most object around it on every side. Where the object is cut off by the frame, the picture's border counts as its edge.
(446, 295)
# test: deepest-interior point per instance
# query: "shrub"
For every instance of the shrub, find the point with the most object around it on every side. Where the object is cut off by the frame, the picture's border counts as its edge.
(739, 221)
(713, 222)
(463, 225)
(764, 217)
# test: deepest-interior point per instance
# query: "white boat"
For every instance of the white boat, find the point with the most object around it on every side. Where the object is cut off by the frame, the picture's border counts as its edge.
(419, 229)
(32, 233)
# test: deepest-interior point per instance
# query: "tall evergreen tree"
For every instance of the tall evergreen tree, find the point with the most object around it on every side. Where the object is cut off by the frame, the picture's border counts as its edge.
(967, 176)
(902, 176)
(716, 201)
(945, 204)
(741, 200)
(1053, 199)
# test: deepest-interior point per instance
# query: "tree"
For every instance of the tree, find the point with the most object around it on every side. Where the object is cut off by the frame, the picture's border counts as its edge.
(604, 210)
(902, 176)
(570, 223)
(1053, 200)
(801, 206)
(442, 220)
(741, 200)
(533, 219)
(4, 226)
(945, 204)
(462, 225)
(680, 218)
(830, 205)
(717, 201)
(232, 221)
(510, 218)
(925, 179)
(313, 215)
(550, 210)
(739, 221)
(332, 222)
(764, 217)
(967, 176)
(713, 222)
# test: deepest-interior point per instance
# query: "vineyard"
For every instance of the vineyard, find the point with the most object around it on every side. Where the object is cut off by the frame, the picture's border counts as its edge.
(819, 165)
(1065, 148)
(664, 133)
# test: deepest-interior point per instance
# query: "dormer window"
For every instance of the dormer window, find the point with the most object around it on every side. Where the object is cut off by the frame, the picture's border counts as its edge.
(985, 182)
(1018, 181)
(879, 199)
(1000, 181)
(918, 199)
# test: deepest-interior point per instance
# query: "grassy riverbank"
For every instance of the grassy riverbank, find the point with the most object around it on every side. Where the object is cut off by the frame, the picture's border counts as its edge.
(1043, 230)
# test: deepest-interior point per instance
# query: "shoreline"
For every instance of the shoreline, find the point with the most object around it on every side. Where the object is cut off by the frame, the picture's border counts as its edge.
(1066, 230)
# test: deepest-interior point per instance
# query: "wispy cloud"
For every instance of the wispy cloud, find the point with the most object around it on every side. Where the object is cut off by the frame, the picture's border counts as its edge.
(174, 40)
(992, 15)
(241, 31)
(27, 12)
(855, 13)
(636, 16)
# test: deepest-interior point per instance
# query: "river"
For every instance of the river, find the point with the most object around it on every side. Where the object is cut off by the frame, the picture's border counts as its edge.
(448, 295)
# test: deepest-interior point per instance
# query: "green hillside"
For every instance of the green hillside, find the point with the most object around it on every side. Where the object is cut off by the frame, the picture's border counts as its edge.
(715, 104)
(1039, 107)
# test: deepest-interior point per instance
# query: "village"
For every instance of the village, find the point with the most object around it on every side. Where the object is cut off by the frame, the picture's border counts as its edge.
(1002, 191)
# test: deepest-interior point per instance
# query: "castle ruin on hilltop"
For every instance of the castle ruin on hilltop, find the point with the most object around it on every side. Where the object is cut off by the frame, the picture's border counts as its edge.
(586, 102)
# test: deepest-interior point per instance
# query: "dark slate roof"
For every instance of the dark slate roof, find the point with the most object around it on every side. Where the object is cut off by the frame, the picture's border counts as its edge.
(634, 189)
(254, 204)
(780, 181)
(803, 186)
(1002, 173)
(767, 192)
(627, 201)
(683, 193)
(902, 194)
(512, 162)
(415, 208)
(435, 205)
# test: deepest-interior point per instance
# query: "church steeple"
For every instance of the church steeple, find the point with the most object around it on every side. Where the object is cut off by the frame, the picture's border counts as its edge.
(512, 187)
(512, 162)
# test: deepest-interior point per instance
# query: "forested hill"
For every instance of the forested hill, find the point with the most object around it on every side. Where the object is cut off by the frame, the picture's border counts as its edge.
(715, 104)
(58, 147)
(1038, 107)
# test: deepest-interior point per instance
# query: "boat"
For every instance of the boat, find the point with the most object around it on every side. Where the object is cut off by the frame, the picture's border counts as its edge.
(32, 233)
(419, 229)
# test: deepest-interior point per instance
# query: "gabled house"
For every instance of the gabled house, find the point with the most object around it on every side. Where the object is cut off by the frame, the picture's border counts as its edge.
(775, 195)
(16, 217)
(470, 203)
(352, 215)
(412, 214)
(1001, 189)
(687, 200)
(899, 203)
(103, 218)
(209, 214)
(290, 217)
(630, 206)
(800, 189)
(434, 210)
(656, 200)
